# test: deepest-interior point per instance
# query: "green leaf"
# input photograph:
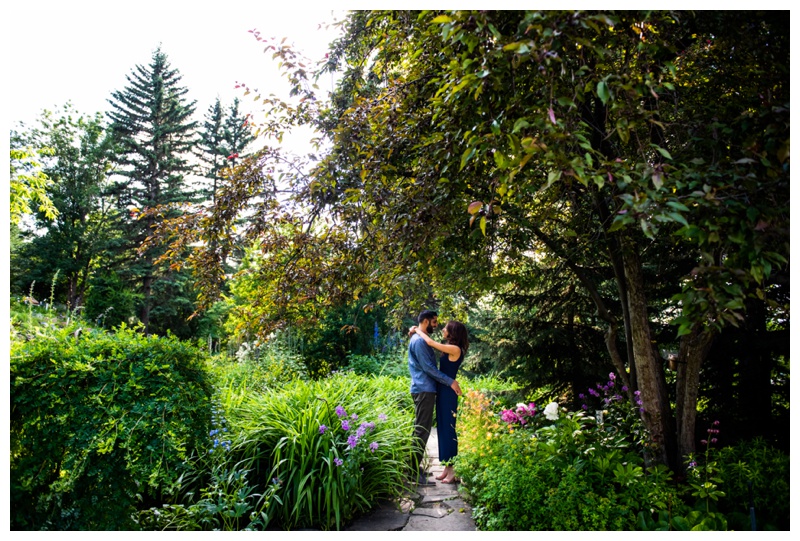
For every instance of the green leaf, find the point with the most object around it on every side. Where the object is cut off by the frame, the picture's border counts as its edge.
(603, 92)
(678, 218)
(442, 19)
(482, 223)
(680, 524)
(678, 206)
(465, 157)
(519, 124)
(663, 152)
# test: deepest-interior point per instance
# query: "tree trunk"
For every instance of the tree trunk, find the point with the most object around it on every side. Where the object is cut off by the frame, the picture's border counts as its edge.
(656, 414)
(694, 349)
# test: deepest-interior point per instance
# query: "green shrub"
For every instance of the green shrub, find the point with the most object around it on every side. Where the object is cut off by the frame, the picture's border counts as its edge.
(257, 369)
(754, 467)
(101, 424)
(524, 470)
(323, 477)
(393, 364)
(217, 494)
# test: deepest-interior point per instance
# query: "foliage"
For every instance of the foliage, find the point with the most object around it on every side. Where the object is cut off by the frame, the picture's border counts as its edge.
(223, 139)
(28, 183)
(220, 495)
(574, 473)
(392, 363)
(580, 161)
(152, 132)
(755, 474)
(257, 369)
(101, 424)
(327, 463)
(110, 300)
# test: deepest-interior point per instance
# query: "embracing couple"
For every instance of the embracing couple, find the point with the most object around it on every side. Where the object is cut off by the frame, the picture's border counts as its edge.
(435, 387)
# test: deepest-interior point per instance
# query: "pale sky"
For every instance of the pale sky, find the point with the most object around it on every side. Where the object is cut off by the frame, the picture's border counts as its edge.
(82, 51)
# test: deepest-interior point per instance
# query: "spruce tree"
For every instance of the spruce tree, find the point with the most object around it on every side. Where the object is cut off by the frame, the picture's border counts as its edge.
(223, 140)
(238, 134)
(212, 149)
(153, 132)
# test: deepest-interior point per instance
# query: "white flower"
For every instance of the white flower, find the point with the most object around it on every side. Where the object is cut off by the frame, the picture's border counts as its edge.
(551, 411)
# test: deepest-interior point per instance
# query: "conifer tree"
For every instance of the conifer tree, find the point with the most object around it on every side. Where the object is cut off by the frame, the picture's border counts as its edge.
(222, 141)
(212, 149)
(153, 132)
(237, 132)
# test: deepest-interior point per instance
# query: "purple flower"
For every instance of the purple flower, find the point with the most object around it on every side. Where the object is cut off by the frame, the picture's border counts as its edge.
(370, 426)
(713, 440)
(345, 426)
(382, 416)
(352, 441)
(704, 442)
(624, 388)
(581, 396)
(584, 406)
(692, 464)
(637, 393)
(322, 429)
(509, 416)
(354, 417)
(361, 430)
(716, 423)
(594, 393)
(340, 412)
(338, 461)
(373, 446)
(612, 376)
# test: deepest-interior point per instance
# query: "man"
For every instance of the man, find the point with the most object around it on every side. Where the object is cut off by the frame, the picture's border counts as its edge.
(424, 375)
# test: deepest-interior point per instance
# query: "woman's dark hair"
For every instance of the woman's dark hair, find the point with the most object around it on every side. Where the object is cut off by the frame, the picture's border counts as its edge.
(457, 335)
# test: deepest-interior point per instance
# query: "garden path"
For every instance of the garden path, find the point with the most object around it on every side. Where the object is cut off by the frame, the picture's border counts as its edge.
(435, 508)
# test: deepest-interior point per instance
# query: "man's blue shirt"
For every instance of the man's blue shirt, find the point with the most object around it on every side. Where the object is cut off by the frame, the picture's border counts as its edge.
(422, 365)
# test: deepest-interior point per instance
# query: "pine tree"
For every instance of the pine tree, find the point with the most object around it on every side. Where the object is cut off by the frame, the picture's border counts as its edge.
(237, 132)
(152, 128)
(223, 140)
(212, 149)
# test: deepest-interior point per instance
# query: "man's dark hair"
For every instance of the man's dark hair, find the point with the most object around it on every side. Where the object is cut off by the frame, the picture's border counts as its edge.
(426, 314)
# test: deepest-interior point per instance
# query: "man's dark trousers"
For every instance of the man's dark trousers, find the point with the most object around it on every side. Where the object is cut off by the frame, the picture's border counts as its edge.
(423, 409)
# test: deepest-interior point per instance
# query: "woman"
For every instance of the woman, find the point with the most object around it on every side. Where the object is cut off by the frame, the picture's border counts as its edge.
(453, 351)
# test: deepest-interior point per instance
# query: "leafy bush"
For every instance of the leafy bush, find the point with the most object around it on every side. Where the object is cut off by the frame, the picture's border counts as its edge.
(528, 470)
(323, 464)
(754, 468)
(257, 369)
(100, 424)
(219, 495)
(393, 364)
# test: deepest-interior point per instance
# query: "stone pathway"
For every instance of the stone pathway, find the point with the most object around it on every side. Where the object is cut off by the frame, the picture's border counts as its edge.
(436, 508)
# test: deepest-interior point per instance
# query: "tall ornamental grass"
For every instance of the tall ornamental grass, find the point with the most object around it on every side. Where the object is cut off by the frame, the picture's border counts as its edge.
(324, 450)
